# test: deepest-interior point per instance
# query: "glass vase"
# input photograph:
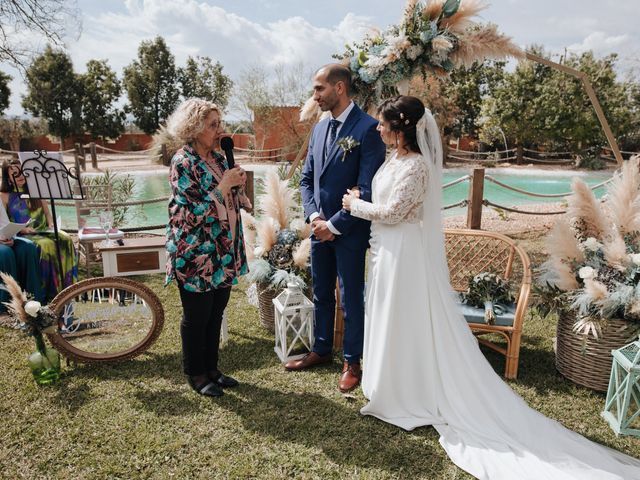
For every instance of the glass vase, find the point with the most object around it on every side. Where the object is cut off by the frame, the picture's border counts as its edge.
(44, 363)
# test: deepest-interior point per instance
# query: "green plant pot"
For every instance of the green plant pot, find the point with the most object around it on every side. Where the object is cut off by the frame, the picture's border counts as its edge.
(44, 363)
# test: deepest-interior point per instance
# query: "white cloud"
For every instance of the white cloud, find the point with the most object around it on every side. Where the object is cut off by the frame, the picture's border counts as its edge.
(601, 43)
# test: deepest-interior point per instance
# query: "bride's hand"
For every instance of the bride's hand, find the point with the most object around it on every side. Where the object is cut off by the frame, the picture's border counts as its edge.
(348, 198)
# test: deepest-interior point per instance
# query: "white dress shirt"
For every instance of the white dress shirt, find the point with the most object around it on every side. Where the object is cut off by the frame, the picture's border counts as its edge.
(341, 118)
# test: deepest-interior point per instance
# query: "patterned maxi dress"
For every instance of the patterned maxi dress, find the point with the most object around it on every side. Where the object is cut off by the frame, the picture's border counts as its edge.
(19, 212)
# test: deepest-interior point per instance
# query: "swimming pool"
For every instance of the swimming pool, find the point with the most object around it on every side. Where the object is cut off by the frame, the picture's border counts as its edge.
(154, 184)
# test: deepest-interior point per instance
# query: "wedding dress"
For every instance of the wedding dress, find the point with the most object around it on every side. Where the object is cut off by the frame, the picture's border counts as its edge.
(422, 364)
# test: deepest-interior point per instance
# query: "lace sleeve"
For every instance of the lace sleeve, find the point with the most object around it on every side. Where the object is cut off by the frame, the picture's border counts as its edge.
(405, 200)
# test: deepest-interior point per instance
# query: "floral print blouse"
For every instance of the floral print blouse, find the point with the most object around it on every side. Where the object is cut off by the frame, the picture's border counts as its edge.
(204, 249)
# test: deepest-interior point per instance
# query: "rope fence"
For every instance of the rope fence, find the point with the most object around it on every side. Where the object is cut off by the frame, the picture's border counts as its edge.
(489, 203)
(541, 195)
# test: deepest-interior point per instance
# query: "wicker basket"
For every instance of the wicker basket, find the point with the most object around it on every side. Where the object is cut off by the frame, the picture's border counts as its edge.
(585, 360)
(265, 305)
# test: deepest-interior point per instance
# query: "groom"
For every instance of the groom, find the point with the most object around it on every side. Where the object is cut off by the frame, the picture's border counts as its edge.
(339, 241)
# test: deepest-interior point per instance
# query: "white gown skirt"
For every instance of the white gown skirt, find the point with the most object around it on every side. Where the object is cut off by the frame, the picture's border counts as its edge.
(422, 366)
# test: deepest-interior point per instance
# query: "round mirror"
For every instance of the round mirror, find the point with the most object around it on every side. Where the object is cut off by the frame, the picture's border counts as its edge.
(106, 319)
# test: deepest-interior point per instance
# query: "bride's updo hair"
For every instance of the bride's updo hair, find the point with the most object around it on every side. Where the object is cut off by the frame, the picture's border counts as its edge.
(403, 113)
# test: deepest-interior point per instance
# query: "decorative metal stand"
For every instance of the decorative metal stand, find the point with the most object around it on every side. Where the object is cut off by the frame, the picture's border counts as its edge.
(47, 178)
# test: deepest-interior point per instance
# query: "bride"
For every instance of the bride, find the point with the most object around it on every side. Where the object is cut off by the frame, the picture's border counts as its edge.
(422, 363)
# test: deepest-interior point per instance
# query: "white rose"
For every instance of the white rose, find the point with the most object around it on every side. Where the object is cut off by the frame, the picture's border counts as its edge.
(32, 308)
(635, 258)
(586, 273)
(297, 224)
(258, 252)
(591, 244)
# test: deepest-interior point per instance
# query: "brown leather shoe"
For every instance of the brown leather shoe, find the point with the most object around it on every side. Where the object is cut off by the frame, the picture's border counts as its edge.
(309, 360)
(350, 377)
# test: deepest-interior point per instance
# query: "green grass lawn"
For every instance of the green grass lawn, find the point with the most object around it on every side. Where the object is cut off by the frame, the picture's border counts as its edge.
(139, 419)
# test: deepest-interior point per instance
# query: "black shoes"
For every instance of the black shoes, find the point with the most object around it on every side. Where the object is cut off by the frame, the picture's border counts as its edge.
(223, 380)
(207, 388)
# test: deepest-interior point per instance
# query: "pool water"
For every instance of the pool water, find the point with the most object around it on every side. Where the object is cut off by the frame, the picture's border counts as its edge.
(150, 185)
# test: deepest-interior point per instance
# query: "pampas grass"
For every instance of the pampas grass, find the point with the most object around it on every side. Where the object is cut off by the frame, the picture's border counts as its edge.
(432, 9)
(267, 233)
(249, 232)
(563, 243)
(584, 206)
(484, 42)
(615, 251)
(624, 197)
(278, 201)
(15, 306)
(558, 273)
(461, 20)
(302, 253)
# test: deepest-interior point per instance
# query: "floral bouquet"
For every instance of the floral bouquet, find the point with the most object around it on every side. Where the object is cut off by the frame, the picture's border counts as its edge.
(33, 319)
(278, 242)
(593, 270)
(434, 37)
(486, 290)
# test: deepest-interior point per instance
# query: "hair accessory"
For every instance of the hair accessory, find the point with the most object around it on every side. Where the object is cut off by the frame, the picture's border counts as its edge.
(406, 122)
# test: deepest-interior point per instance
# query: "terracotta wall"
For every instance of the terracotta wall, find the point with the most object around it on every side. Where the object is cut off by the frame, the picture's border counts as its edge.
(279, 128)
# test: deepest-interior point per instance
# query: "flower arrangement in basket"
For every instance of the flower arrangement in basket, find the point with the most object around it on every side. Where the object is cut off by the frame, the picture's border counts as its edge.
(33, 319)
(593, 270)
(433, 37)
(592, 277)
(278, 244)
(489, 291)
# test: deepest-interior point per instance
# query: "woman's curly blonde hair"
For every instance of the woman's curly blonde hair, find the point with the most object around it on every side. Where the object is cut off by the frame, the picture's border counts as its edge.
(185, 123)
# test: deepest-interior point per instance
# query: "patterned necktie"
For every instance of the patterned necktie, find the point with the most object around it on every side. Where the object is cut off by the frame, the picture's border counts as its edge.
(333, 130)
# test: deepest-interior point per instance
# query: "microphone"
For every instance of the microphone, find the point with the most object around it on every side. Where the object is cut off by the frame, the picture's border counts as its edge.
(226, 144)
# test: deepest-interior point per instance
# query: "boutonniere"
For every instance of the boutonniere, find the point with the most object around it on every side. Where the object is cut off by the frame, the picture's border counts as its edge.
(347, 144)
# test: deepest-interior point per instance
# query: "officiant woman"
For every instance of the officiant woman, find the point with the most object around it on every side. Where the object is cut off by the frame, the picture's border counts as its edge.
(21, 210)
(205, 246)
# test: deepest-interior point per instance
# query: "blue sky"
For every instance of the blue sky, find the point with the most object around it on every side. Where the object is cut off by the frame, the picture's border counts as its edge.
(240, 33)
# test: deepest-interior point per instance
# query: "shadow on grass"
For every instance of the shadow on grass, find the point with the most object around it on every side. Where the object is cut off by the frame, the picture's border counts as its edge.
(337, 429)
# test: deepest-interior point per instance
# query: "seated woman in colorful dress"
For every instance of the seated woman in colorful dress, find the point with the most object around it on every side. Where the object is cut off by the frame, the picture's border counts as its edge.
(19, 258)
(39, 231)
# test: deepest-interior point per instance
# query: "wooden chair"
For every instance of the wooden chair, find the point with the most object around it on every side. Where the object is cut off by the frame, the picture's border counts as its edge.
(97, 198)
(470, 252)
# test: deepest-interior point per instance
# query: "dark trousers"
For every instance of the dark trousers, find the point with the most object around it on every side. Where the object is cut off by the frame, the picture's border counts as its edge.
(200, 329)
(329, 259)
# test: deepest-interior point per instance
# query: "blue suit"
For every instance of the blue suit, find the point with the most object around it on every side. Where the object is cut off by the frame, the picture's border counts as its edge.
(325, 179)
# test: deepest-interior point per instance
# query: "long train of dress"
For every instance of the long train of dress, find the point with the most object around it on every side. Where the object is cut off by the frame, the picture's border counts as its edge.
(423, 366)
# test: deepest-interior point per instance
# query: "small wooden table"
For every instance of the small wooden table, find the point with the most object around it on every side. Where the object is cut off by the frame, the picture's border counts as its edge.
(137, 256)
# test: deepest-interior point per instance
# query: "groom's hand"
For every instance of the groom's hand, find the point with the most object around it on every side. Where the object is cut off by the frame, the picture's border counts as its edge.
(321, 231)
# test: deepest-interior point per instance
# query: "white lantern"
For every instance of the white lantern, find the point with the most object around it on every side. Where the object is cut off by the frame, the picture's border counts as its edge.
(293, 323)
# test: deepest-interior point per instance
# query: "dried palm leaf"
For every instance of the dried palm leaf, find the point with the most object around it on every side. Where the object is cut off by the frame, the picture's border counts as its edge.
(267, 233)
(461, 20)
(18, 297)
(484, 42)
(278, 200)
(589, 326)
(302, 253)
(624, 197)
(563, 243)
(584, 206)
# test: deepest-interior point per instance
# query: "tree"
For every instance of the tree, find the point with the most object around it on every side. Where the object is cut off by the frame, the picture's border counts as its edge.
(203, 79)
(14, 129)
(101, 89)
(22, 22)
(5, 92)
(514, 106)
(150, 84)
(55, 93)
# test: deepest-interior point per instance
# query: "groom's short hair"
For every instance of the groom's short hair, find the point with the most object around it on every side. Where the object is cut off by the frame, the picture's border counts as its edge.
(339, 73)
